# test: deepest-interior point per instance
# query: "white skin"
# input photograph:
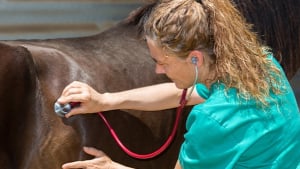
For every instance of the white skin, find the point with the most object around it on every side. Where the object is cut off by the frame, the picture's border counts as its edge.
(163, 96)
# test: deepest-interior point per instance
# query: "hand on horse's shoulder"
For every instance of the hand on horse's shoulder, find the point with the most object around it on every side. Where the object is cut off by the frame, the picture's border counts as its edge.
(101, 161)
(90, 100)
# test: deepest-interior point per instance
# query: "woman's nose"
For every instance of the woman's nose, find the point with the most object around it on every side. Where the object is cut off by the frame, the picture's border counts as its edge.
(159, 69)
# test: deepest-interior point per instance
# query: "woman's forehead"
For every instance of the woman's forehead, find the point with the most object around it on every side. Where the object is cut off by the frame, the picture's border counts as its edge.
(154, 48)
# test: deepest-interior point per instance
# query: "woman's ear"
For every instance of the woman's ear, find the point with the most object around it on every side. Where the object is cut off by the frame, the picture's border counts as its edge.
(195, 57)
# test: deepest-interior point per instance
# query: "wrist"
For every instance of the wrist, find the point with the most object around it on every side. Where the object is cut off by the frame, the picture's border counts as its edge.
(120, 166)
(110, 101)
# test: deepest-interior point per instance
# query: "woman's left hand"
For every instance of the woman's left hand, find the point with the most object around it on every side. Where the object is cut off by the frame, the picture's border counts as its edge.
(101, 161)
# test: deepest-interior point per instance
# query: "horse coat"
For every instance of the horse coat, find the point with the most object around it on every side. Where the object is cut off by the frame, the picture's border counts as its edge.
(34, 73)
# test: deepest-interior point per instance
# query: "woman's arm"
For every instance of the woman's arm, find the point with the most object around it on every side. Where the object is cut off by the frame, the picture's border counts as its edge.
(150, 98)
(177, 166)
(156, 97)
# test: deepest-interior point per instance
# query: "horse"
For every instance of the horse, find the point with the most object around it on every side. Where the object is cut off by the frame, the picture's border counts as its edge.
(277, 24)
(33, 73)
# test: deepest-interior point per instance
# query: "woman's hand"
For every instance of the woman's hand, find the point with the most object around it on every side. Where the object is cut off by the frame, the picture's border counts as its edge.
(90, 100)
(149, 98)
(101, 161)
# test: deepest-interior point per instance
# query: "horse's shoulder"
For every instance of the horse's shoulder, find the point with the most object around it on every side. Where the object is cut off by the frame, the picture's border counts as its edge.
(14, 57)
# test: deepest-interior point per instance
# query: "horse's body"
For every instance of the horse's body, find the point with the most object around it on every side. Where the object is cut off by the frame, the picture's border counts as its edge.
(35, 77)
(33, 74)
(278, 25)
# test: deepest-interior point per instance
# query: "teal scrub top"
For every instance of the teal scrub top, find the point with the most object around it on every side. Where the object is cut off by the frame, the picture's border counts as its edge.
(226, 132)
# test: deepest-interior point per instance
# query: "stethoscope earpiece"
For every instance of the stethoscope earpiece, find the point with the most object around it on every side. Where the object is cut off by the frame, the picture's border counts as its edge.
(194, 60)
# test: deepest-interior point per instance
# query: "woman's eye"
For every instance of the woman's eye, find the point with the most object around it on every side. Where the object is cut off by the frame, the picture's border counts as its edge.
(159, 63)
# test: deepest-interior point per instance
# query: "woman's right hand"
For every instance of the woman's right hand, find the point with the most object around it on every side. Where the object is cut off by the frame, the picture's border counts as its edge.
(90, 100)
(149, 98)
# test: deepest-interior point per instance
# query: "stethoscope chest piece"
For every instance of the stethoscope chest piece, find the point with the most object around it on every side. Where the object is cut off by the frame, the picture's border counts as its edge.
(62, 110)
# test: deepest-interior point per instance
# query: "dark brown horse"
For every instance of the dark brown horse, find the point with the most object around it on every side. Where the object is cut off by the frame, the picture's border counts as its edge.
(278, 25)
(33, 73)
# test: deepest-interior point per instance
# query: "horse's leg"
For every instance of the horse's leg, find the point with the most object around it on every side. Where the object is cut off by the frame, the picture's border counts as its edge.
(33, 137)
(16, 97)
(56, 143)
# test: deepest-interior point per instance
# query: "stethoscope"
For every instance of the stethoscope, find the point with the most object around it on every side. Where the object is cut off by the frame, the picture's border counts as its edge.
(62, 110)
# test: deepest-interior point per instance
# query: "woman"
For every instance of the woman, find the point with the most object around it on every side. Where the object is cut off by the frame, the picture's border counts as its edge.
(246, 101)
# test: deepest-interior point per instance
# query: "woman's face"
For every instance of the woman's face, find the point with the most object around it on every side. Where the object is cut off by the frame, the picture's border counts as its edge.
(178, 70)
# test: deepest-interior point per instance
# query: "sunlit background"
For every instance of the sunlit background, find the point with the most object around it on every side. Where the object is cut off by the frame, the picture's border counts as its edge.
(32, 19)
(46, 19)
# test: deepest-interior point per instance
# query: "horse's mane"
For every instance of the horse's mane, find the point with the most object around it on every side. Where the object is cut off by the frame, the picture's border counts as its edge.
(276, 22)
(139, 16)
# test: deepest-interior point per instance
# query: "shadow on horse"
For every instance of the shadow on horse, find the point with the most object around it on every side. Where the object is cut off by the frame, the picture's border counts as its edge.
(33, 73)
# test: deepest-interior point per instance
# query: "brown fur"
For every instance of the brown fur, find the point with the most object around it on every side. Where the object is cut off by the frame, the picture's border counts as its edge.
(278, 25)
(34, 72)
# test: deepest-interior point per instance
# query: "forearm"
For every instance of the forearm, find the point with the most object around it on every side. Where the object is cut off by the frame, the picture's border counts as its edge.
(150, 98)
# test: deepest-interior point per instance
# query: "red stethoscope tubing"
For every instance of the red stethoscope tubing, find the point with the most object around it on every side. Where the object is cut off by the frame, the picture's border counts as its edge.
(160, 149)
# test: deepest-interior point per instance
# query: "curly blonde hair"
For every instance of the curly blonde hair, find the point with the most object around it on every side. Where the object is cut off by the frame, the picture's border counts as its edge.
(217, 28)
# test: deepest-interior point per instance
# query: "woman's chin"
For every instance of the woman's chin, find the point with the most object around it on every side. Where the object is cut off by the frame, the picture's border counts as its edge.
(181, 86)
